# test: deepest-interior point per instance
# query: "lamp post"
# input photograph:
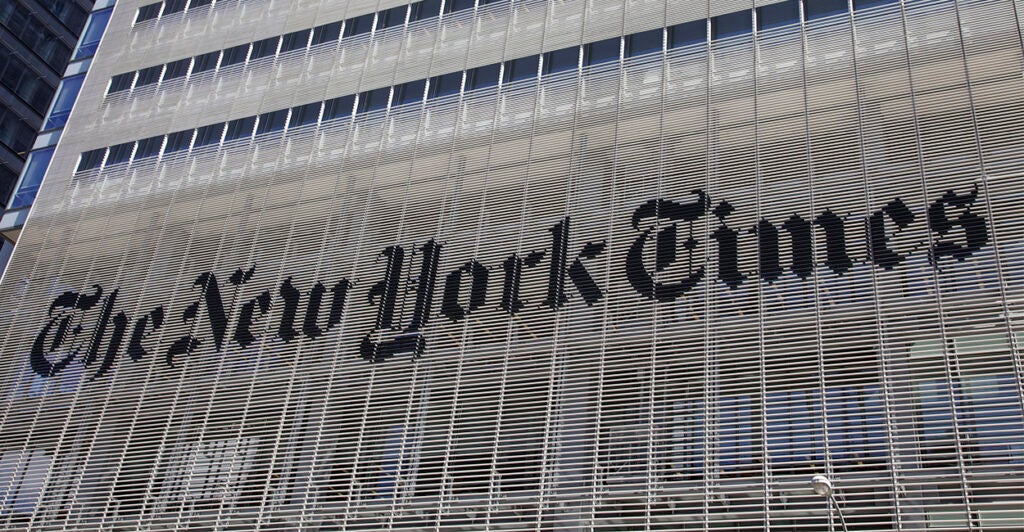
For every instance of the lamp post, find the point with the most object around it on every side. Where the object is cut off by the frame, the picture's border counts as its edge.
(823, 486)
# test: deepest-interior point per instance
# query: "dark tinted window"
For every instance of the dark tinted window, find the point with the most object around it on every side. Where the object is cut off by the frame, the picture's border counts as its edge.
(643, 43)
(559, 60)
(326, 33)
(234, 55)
(522, 68)
(90, 39)
(205, 62)
(148, 12)
(601, 51)
(814, 9)
(458, 5)
(178, 141)
(687, 33)
(149, 147)
(198, 3)
(864, 4)
(730, 25)
(273, 121)
(177, 69)
(64, 101)
(409, 92)
(207, 135)
(445, 84)
(425, 9)
(338, 107)
(240, 128)
(480, 77)
(305, 114)
(149, 76)
(359, 25)
(120, 153)
(121, 82)
(91, 159)
(294, 41)
(264, 48)
(391, 17)
(780, 14)
(173, 6)
(374, 100)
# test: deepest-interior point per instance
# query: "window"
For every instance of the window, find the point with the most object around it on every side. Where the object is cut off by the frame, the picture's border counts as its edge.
(445, 84)
(522, 68)
(148, 12)
(391, 17)
(149, 147)
(89, 160)
(794, 428)
(409, 92)
(208, 135)
(856, 426)
(65, 100)
(601, 51)
(179, 141)
(240, 128)
(204, 62)
(338, 107)
(739, 433)
(644, 43)
(730, 25)
(686, 460)
(270, 122)
(234, 55)
(374, 100)
(177, 69)
(294, 41)
(424, 9)
(452, 6)
(305, 114)
(90, 39)
(482, 77)
(776, 15)
(121, 82)
(199, 3)
(35, 169)
(22, 475)
(174, 6)
(326, 33)
(264, 48)
(864, 4)
(120, 153)
(149, 76)
(359, 25)
(815, 9)
(560, 60)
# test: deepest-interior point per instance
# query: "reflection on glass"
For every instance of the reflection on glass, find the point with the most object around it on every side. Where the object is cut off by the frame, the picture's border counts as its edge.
(64, 101)
(93, 33)
(35, 169)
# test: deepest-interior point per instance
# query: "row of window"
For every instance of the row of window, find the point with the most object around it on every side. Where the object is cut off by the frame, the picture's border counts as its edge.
(521, 69)
(168, 7)
(27, 28)
(723, 26)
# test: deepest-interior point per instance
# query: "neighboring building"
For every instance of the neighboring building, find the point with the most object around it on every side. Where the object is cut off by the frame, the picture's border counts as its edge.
(526, 265)
(38, 38)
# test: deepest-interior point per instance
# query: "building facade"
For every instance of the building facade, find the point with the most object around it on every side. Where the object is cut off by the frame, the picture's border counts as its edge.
(526, 265)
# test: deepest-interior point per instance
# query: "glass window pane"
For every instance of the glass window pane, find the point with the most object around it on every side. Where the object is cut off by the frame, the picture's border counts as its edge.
(338, 107)
(305, 114)
(644, 42)
(208, 135)
(90, 159)
(445, 84)
(522, 68)
(149, 147)
(35, 169)
(148, 12)
(240, 128)
(814, 9)
(174, 6)
(730, 25)
(199, 3)
(65, 100)
(234, 55)
(121, 82)
(120, 153)
(326, 33)
(864, 4)
(178, 141)
(780, 14)
(559, 60)
(601, 51)
(391, 17)
(264, 48)
(177, 69)
(207, 61)
(359, 25)
(484, 76)
(294, 41)
(425, 9)
(149, 76)
(374, 100)
(273, 121)
(410, 92)
(452, 6)
(90, 39)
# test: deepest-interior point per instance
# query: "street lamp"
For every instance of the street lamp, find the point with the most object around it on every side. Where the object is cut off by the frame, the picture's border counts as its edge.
(823, 486)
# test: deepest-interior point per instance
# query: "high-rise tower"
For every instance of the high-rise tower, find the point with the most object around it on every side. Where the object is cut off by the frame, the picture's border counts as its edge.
(526, 265)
